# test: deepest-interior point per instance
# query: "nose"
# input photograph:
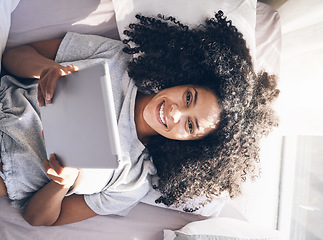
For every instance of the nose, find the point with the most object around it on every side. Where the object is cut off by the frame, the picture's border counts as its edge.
(175, 113)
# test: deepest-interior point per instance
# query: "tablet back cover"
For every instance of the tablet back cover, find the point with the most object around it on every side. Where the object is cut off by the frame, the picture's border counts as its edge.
(80, 125)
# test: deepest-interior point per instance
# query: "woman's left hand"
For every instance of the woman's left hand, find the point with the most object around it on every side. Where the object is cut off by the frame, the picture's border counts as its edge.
(48, 79)
(64, 176)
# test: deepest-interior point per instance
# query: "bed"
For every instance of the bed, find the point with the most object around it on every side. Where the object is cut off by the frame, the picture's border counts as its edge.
(24, 21)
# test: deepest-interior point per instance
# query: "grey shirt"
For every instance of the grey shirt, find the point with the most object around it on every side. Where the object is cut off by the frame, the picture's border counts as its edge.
(110, 191)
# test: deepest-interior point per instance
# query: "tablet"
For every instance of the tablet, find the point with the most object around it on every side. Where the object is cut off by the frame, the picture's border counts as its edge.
(80, 125)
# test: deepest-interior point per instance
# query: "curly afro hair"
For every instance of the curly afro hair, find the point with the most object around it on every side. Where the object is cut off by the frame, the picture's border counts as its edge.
(213, 55)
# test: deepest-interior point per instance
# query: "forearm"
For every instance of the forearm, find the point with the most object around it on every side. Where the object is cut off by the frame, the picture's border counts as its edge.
(26, 62)
(45, 206)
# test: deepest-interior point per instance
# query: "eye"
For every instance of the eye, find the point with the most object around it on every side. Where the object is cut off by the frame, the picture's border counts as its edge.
(188, 98)
(190, 125)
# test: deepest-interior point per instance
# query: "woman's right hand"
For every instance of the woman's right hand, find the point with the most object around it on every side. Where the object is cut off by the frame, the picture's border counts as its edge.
(64, 176)
(47, 82)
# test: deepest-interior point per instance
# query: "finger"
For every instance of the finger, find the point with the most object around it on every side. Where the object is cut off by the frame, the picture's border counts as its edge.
(52, 174)
(49, 89)
(44, 79)
(49, 170)
(46, 165)
(55, 164)
(72, 68)
(40, 98)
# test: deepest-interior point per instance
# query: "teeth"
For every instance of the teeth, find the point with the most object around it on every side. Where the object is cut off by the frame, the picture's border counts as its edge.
(161, 113)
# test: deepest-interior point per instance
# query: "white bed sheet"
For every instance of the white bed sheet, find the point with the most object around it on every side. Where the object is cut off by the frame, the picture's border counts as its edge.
(145, 222)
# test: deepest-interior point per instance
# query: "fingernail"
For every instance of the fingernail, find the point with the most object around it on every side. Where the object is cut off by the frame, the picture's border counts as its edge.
(72, 66)
(62, 72)
(47, 96)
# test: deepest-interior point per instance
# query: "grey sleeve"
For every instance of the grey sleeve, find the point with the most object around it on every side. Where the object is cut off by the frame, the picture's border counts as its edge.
(116, 202)
(75, 46)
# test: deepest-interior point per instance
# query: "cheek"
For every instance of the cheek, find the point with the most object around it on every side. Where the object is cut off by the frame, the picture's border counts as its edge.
(206, 129)
(148, 114)
(178, 133)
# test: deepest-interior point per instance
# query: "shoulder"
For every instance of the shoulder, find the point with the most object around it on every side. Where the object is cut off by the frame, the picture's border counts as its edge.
(93, 40)
(76, 46)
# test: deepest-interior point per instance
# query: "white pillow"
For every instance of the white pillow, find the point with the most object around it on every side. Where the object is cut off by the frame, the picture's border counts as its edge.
(268, 39)
(191, 12)
(6, 8)
(222, 229)
(36, 20)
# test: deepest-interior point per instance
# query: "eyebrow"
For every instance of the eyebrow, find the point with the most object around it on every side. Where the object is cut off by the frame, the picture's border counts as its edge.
(195, 98)
(197, 124)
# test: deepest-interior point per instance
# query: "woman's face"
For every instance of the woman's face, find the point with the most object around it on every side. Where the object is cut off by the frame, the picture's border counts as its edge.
(183, 112)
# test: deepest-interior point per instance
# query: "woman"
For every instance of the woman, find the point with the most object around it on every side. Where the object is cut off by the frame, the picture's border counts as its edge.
(199, 110)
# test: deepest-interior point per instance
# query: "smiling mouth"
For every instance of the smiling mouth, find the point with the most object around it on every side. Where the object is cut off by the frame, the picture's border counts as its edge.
(162, 114)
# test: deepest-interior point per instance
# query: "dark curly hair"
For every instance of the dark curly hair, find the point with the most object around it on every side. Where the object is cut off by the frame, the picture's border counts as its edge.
(213, 55)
